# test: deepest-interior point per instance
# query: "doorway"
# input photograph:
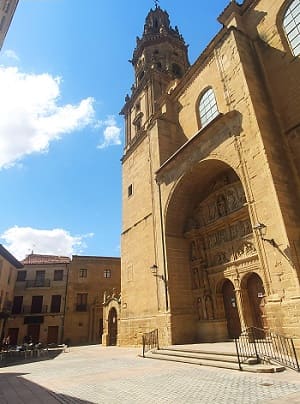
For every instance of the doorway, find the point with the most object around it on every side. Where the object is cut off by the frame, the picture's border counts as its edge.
(112, 327)
(231, 310)
(52, 337)
(13, 335)
(256, 296)
(33, 331)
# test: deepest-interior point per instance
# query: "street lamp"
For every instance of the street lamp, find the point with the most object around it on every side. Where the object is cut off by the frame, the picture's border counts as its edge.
(262, 229)
(154, 269)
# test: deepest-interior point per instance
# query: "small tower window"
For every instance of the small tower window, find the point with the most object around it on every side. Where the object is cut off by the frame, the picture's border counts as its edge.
(130, 190)
(291, 25)
(138, 106)
(176, 69)
(208, 107)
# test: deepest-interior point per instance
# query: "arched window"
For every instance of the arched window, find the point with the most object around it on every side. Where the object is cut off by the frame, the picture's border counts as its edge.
(208, 108)
(291, 25)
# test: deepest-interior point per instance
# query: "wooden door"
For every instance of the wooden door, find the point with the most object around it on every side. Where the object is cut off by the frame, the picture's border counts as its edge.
(112, 327)
(36, 304)
(52, 337)
(256, 295)
(33, 332)
(231, 310)
(17, 305)
(13, 335)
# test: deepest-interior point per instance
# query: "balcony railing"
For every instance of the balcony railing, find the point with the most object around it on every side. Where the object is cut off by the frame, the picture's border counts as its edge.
(38, 283)
(32, 310)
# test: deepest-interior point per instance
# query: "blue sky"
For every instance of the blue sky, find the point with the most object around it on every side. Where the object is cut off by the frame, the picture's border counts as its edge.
(64, 73)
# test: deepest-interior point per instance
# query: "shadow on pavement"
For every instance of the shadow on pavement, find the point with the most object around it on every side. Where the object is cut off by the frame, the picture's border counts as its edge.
(16, 389)
(18, 358)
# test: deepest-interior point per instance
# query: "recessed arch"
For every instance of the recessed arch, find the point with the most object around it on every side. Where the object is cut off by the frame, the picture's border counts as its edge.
(112, 327)
(207, 230)
(196, 179)
(253, 291)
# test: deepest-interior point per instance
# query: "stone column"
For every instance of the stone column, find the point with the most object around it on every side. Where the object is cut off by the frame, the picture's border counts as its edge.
(239, 302)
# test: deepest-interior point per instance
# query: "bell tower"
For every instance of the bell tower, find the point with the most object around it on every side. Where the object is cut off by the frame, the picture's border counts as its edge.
(159, 59)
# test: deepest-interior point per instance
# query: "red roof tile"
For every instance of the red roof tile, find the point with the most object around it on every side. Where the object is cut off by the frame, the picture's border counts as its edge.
(45, 259)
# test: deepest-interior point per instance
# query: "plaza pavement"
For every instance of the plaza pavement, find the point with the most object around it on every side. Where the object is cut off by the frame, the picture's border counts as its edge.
(96, 374)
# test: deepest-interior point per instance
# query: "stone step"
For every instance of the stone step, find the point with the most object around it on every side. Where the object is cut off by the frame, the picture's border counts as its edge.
(212, 359)
(215, 356)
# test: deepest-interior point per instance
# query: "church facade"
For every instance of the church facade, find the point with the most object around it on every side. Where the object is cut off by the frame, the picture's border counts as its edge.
(211, 192)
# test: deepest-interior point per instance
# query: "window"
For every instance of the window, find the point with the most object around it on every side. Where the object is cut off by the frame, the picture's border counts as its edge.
(82, 273)
(176, 69)
(39, 279)
(81, 302)
(21, 276)
(58, 275)
(291, 25)
(208, 108)
(107, 273)
(130, 190)
(17, 305)
(37, 304)
(55, 303)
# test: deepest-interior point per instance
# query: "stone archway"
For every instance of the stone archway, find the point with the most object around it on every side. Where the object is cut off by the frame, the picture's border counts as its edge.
(254, 298)
(209, 238)
(112, 327)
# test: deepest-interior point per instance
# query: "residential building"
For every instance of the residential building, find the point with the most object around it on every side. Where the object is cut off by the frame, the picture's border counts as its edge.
(7, 10)
(39, 300)
(211, 179)
(91, 279)
(8, 274)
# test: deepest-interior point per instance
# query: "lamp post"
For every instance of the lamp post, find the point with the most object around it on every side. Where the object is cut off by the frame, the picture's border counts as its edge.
(154, 269)
(262, 229)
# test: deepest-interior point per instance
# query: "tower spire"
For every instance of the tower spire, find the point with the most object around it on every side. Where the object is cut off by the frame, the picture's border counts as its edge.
(156, 3)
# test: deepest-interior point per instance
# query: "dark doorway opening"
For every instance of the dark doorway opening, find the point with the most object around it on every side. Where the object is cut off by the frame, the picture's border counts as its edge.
(112, 327)
(231, 310)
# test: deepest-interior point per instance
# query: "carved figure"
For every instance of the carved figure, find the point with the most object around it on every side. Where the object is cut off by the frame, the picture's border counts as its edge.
(209, 308)
(193, 251)
(199, 308)
(221, 204)
(232, 201)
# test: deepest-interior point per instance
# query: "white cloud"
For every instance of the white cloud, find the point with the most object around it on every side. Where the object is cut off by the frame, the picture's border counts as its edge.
(31, 117)
(20, 241)
(111, 133)
(11, 54)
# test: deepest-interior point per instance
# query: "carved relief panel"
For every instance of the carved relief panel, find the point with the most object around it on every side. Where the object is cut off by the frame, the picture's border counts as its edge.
(219, 230)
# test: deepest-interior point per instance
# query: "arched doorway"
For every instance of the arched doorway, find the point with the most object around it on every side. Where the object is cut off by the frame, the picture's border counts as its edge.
(112, 327)
(231, 310)
(256, 298)
(209, 227)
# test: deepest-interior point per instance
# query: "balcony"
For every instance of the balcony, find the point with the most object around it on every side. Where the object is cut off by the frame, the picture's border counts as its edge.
(38, 283)
(33, 310)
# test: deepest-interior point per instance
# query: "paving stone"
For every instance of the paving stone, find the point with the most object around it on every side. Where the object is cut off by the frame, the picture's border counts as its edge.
(95, 374)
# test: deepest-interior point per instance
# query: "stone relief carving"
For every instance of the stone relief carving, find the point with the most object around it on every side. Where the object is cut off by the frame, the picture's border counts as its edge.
(213, 240)
(209, 308)
(205, 308)
(219, 204)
